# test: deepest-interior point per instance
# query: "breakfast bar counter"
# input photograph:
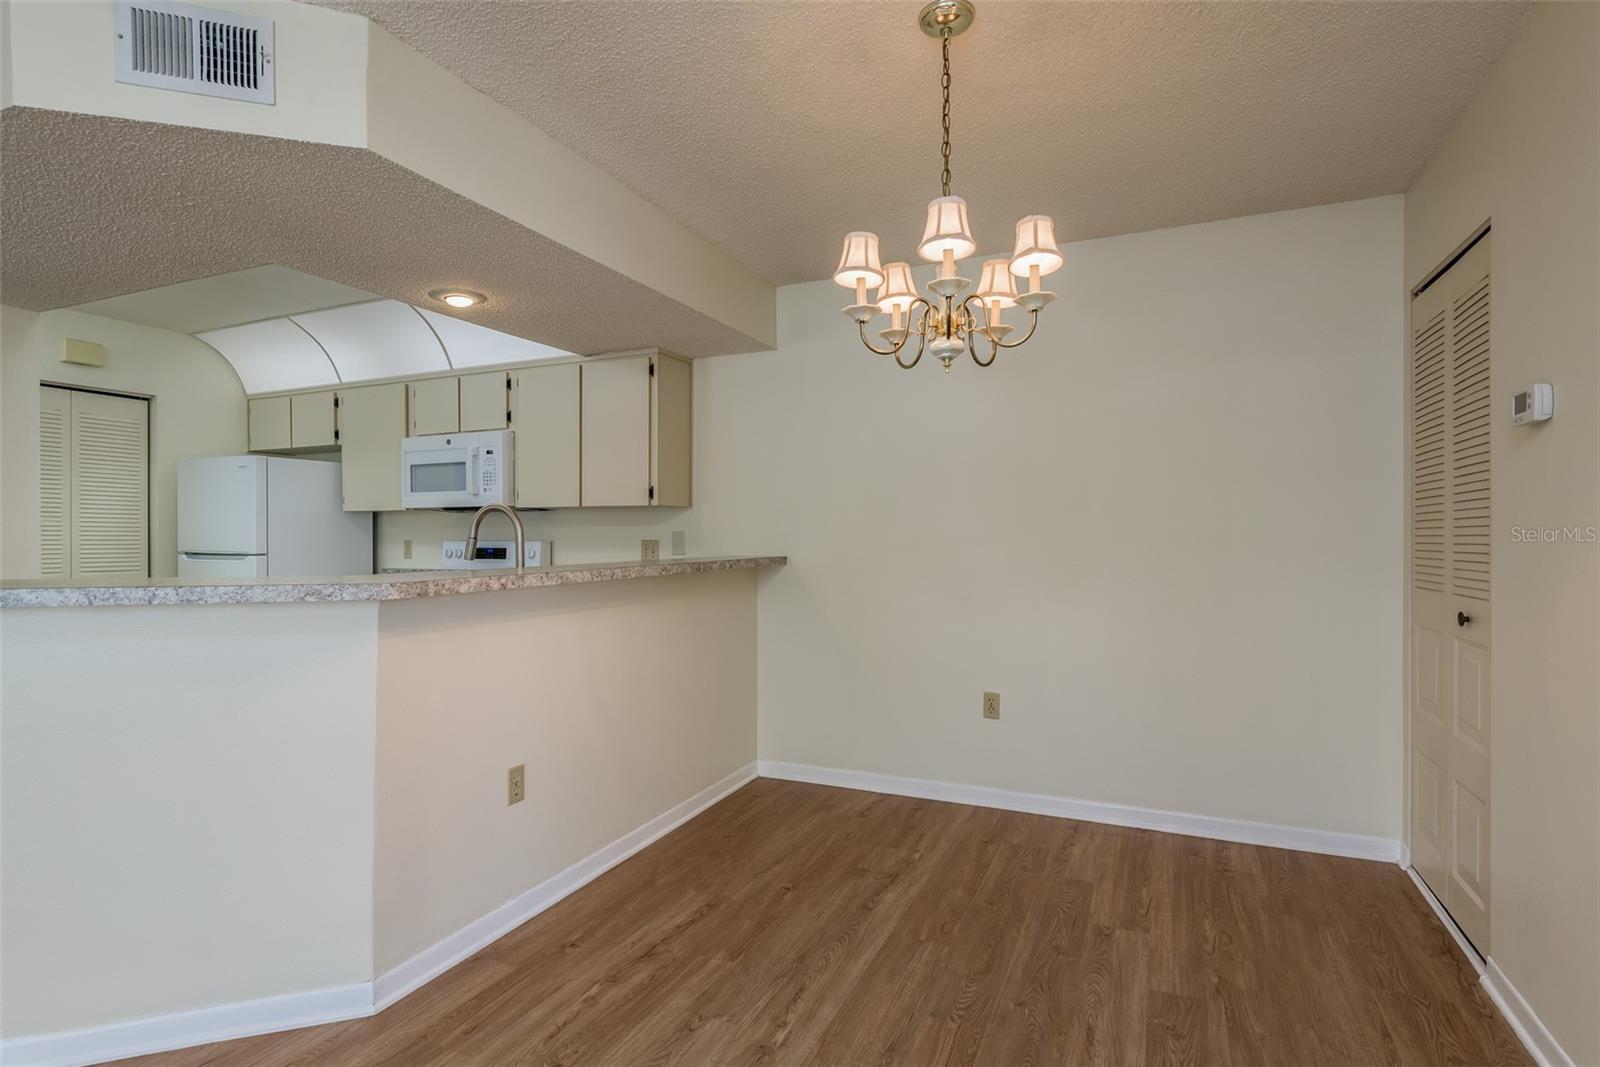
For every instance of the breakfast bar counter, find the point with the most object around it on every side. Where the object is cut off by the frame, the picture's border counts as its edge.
(402, 586)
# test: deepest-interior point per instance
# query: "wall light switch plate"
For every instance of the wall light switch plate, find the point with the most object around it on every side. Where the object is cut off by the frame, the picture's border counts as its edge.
(649, 550)
(680, 543)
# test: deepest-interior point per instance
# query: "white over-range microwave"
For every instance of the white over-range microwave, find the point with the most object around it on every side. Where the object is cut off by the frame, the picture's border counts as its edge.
(457, 470)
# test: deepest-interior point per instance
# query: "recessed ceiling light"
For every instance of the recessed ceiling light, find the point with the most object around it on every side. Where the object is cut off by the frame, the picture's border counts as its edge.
(458, 298)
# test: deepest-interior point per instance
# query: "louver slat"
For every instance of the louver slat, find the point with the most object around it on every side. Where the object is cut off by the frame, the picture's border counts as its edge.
(1428, 455)
(1469, 445)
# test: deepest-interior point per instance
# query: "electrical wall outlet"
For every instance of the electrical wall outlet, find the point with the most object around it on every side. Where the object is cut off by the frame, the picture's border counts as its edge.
(649, 550)
(516, 785)
(991, 705)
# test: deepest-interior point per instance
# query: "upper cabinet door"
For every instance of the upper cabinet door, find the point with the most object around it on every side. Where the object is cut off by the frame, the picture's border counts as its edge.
(311, 420)
(435, 405)
(546, 403)
(486, 401)
(269, 424)
(672, 420)
(372, 423)
(616, 432)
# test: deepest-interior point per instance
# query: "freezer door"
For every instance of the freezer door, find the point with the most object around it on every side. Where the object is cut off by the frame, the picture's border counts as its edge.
(222, 505)
(194, 565)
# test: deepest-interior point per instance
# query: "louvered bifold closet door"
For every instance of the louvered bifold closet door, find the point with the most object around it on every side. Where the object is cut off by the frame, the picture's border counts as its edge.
(109, 491)
(1451, 399)
(55, 484)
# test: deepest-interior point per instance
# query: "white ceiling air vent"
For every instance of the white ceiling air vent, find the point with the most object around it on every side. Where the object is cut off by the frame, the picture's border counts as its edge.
(194, 50)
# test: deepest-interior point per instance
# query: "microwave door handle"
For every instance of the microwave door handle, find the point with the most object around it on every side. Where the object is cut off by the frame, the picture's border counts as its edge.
(473, 474)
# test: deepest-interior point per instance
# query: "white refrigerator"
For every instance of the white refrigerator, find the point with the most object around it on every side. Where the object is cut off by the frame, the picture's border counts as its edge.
(267, 516)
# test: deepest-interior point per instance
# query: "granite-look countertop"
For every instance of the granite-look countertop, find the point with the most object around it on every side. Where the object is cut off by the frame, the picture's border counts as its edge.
(57, 594)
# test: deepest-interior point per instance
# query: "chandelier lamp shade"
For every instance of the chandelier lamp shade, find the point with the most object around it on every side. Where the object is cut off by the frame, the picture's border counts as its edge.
(953, 317)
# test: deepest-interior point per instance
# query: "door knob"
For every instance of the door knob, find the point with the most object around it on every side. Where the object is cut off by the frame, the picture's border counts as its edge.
(1462, 618)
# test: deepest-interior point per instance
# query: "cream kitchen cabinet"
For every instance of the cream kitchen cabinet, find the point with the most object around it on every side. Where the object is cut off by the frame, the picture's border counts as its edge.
(372, 423)
(302, 422)
(313, 420)
(434, 405)
(269, 424)
(545, 412)
(636, 431)
(486, 401)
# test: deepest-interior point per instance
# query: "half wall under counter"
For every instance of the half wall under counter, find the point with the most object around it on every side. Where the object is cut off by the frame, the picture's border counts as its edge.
(283, 791)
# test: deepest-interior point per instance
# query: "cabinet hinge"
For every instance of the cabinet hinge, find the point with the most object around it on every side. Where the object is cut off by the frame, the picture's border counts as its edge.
(335, 399)
(336, 435)
(652, 492)
(508, 416)
(652, 368)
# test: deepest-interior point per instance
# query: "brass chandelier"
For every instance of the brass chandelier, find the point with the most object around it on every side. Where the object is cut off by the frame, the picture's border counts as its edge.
(953, 319)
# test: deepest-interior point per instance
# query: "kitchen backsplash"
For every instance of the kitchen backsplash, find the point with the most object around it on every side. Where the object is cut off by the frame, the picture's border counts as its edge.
(588, 536)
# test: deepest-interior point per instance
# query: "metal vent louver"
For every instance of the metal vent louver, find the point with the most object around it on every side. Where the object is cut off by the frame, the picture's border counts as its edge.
(194, 50)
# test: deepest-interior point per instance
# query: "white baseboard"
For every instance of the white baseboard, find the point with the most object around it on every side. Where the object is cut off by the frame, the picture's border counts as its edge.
(163, 1033)
(1541, 1044)
(1329, 842)
(431, 962)
(181, 1029)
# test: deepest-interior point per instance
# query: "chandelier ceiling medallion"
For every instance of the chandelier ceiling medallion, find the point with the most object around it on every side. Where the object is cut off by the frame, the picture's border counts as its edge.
(952, 320)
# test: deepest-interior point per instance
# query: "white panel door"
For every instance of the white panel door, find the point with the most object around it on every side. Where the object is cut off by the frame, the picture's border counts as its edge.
(55, 484)
(108, 445)
(1450, 535)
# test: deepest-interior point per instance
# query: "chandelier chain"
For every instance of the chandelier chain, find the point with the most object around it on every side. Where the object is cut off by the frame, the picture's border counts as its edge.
(944, 83)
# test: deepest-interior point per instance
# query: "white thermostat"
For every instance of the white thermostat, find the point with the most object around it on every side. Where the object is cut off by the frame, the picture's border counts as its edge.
(1536, 403)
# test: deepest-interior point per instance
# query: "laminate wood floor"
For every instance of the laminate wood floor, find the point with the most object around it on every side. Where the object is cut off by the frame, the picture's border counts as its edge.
(800, 924)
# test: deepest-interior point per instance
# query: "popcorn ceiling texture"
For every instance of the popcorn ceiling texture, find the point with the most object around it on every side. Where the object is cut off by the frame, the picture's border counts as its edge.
(774, 128)
(94, 207)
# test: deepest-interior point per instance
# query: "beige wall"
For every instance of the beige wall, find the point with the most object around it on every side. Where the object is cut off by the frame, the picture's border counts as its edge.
(1526, 155)
(186, 809)
(1167, 530)
(622, 699)
(197, 409)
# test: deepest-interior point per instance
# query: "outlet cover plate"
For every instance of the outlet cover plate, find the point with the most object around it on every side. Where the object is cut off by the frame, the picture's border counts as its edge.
(516, 784)
(991, 705)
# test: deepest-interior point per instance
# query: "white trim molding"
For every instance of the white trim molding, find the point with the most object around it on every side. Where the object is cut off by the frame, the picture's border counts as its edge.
(435, 960)
(223, 1022)
(1328, 842)
(182, 1029)
(1540, 1042)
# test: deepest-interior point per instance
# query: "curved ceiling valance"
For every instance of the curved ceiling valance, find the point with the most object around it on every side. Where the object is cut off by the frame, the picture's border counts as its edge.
(368, 341)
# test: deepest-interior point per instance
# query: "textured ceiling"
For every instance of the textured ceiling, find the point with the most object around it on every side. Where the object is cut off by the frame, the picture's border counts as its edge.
(226, 300)
(773, 128)
(93, 208)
